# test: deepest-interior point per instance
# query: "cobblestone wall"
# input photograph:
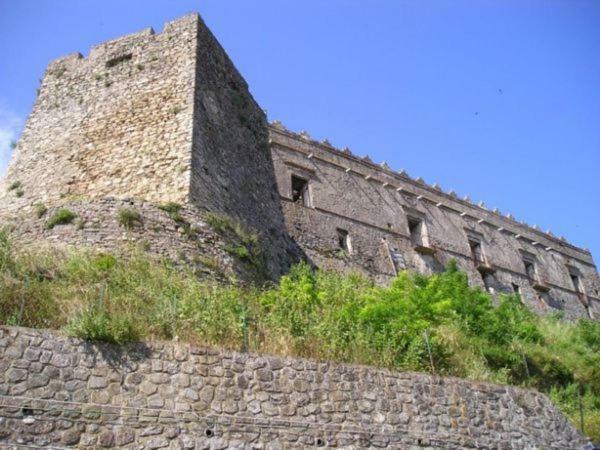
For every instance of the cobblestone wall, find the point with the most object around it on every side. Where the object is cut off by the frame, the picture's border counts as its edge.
(66, 392)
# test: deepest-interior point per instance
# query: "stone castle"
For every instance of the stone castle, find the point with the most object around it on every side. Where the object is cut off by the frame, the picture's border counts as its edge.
(164, 125)
(152, 118)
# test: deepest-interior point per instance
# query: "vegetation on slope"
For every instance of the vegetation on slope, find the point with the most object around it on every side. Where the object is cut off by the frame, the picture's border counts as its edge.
(433, 324)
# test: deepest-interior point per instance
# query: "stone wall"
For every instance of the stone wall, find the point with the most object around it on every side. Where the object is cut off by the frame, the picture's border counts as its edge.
(155, 117)
(185, 238)
(232, 170)
(115, 123)
(373, 204)
(66, 392)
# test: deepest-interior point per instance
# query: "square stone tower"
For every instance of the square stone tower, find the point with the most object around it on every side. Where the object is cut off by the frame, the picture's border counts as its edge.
(157, 117)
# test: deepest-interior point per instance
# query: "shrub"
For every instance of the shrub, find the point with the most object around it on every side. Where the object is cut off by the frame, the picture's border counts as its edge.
(40, 209)
(218, 222)
(19, 192)
(238, 251)
(61, 216)
(129, 218)
(15, 185)
(97, 324)
(170, 207)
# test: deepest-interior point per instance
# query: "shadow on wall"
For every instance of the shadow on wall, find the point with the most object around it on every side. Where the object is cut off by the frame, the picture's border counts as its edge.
(121, 358)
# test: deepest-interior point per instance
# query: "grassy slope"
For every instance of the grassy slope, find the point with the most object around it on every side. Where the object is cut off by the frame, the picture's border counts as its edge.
(432, 324)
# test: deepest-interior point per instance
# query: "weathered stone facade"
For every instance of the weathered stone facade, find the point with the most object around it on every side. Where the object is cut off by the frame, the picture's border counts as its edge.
(63, 392)
(374, 205)
(156, 117)
(167, 117)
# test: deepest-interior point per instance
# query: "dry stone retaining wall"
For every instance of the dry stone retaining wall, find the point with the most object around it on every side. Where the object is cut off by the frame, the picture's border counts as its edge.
(70, 393)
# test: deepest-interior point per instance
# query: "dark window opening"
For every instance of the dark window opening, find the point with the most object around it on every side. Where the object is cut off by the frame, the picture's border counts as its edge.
(530, 270)
(489, 282)
(119, 59)
(476, 251)
(516, 289)
(344, 240)
(415, 227)
(300, 191)
(576, 283)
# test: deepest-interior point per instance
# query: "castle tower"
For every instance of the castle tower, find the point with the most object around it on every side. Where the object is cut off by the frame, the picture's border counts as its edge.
(156, 117)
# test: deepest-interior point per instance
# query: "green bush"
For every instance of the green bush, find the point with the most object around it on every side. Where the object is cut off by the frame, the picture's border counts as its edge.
(129, 218)
(170, 207)
(40, 209)
(238, 251)
(218, 222)
(97, 324)
(173, 210)
(61, 216)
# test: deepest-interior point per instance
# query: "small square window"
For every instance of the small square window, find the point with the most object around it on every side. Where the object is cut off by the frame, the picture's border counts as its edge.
(300, 191)
(343, 238)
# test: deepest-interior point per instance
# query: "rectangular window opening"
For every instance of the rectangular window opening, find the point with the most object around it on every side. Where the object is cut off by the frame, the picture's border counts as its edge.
(530, 270)
(343, 238)
(476, 251)
(415, 227)
(576, 283)
(300, 191)
(489, 282)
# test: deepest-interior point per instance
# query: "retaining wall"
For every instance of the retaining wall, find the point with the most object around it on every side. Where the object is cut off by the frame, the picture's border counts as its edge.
(70, 393)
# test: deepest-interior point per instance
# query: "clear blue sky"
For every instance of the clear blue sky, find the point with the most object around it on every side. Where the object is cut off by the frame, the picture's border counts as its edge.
(499, 100)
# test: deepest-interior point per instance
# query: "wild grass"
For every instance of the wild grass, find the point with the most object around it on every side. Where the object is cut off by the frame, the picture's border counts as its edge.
(40, 209)
(61, 216)
(129, 218)
(432, 324)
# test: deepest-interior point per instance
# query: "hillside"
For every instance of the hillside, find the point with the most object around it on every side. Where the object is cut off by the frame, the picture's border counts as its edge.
(435, 324)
